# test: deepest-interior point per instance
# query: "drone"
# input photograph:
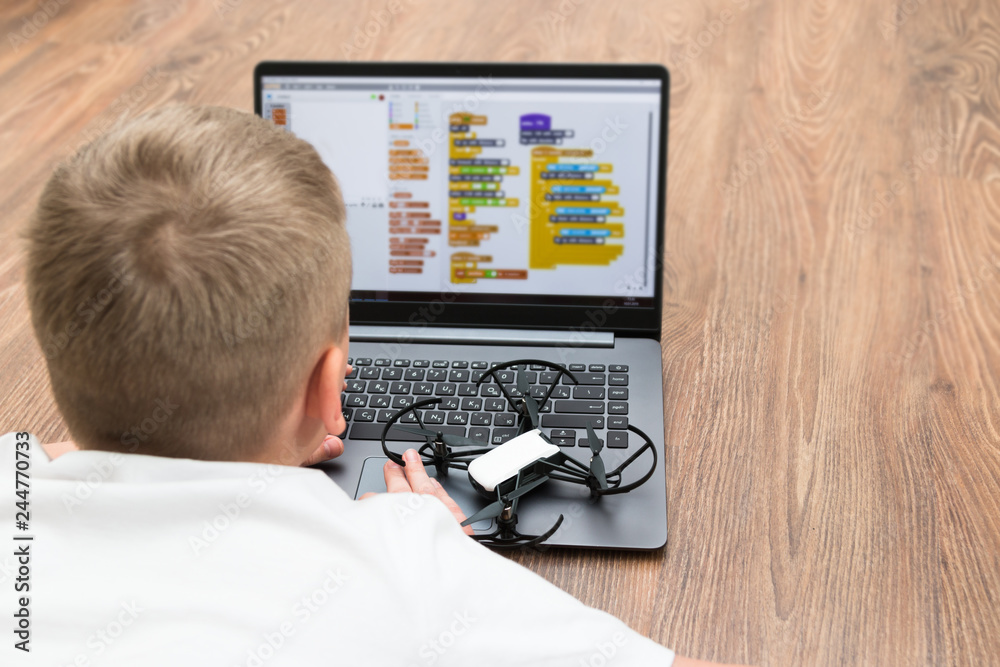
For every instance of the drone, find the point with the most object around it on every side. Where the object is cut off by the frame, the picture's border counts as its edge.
(507, 472)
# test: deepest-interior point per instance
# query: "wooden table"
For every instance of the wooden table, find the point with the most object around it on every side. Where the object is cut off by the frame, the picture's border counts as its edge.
(832, 284)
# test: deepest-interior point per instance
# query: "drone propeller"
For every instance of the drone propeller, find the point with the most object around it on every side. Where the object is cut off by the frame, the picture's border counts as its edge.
(446, 438)
(529, 401)
(596, 462)
(495, 509)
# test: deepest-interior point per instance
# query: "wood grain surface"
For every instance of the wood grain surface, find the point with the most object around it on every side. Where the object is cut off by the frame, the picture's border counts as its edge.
(832, 284)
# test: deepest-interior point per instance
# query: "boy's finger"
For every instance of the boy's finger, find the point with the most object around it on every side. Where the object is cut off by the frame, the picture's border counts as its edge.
(452, 506)
(330, 448)
(370, 494)
(416, 475)
(395, 480)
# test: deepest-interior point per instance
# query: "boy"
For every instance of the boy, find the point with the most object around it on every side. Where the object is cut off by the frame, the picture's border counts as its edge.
(188, 276)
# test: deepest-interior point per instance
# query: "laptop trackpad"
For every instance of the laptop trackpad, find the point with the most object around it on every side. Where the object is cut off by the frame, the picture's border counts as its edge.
(456, 483)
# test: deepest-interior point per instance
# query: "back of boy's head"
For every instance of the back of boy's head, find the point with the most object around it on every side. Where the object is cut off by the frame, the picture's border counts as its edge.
(184, 273)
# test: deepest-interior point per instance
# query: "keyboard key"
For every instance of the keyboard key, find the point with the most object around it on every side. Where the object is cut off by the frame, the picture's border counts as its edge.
(399, 388)
(400, 402)
(440, 364)
(401, 363)
(505, 376)
(537, 367)
(618, 380)
(495, 404)
(596, 368)
(370, 373)
(585, 442)
(480, 433)
(435, 417)
(458, 376)
(423, 389)
(618, 393)
(618, 422)
(617, 439)
(392, 373)
(504, 419)
(377, 387)
(563, 433)
(560, 391)
(502, 435)
(366, 415)
(480, 364)
(450, 403)
(379, 401)
(374, 432)
(585, 379)
(476, 376)
(356, 401)
(563, 442)
(385, 415)
(548, 377)
(588, 392)
(437, 375)
(408, 418)
(538, 391)
(355, 386)
(353, 374)
(414, 374)
(363, 361)
(581, 407)
(458, 418)
(347, 413)
(489, 390)
(444, 389)
(460, 364)
(617, 408)
(421, 363)
(472, 404)
(480, 419)
(382, 362)
(577, 367)
(572, 421)
(617, 368)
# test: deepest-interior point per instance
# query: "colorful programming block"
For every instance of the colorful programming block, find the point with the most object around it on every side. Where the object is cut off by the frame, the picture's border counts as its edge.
(571, 216)
(475, 181)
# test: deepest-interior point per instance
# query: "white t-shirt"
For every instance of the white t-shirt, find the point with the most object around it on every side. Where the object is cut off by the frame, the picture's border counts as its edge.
(142, 560)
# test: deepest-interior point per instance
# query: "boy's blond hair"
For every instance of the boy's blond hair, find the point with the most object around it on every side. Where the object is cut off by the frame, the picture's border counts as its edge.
(184, 273)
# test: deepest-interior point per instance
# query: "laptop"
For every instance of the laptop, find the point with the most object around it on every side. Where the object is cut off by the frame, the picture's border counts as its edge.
(499, 212)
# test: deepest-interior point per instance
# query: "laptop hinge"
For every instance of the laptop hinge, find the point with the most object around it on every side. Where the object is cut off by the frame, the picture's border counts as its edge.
(458, 336)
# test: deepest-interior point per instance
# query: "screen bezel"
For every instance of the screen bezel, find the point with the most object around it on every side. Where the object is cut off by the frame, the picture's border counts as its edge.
(627, 321)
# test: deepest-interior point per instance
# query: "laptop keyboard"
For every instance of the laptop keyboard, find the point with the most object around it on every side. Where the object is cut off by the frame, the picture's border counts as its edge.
(379, 388)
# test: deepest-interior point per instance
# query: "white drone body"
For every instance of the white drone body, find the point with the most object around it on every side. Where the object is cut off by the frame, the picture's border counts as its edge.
(505, 462)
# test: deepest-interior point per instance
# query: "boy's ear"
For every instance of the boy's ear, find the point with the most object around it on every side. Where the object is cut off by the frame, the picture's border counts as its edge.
(325, 386)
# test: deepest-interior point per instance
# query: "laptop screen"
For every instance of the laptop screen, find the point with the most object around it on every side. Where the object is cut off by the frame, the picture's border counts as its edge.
(490, 190)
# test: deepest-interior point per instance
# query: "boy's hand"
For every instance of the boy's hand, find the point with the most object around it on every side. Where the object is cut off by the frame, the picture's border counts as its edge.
(330, 448)
(414, 479)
